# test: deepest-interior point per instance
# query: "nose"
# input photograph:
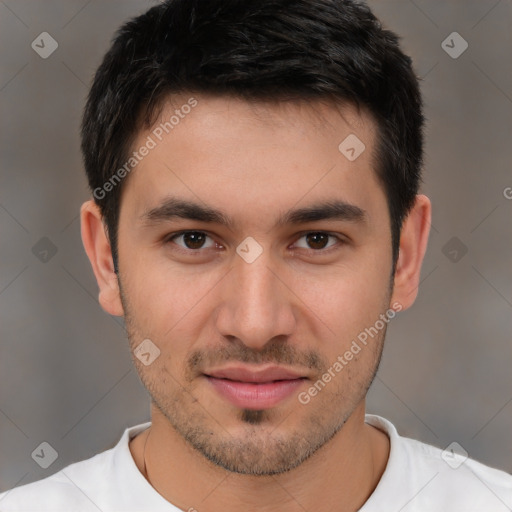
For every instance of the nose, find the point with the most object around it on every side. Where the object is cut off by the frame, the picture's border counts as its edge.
(257, 304)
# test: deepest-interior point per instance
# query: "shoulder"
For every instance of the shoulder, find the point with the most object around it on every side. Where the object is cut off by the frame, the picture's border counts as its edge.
(459, 480)
(447, 479)
(97, 483)
(63, 491)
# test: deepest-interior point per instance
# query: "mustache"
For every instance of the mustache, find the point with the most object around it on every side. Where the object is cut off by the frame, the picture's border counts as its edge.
(278, 353)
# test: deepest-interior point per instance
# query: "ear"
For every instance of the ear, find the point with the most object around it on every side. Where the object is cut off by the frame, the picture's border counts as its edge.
(98, 250)
(413, 244)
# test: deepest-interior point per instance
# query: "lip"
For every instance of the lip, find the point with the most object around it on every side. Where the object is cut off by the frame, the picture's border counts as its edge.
(255, 389)
(246, 374)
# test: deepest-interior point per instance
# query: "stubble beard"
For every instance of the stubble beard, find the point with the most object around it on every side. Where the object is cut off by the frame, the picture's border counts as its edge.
(263, 449)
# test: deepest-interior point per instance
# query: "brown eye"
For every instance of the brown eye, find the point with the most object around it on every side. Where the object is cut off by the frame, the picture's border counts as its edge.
(318, 240)
(191, 240)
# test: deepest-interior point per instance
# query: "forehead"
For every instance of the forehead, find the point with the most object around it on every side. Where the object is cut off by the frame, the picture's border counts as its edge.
(255, 157)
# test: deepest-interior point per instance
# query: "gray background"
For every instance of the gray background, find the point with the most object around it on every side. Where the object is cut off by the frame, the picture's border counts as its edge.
(66, 375)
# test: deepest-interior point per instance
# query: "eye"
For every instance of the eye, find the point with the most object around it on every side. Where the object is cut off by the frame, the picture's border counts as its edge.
(318, 240)
(192, 240)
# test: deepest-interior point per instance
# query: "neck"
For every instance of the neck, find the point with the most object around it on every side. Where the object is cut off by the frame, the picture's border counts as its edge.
(339, 476)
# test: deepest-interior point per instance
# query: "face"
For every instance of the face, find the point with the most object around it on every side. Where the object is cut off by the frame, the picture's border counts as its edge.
(259, 274)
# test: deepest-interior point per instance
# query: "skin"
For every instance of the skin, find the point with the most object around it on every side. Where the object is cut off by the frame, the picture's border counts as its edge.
(298, 304)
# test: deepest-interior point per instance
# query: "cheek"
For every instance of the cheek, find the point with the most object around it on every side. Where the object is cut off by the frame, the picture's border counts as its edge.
(346, 299)
(168, 303)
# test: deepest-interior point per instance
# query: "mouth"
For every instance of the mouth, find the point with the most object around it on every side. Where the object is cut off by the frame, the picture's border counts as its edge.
(255, 388)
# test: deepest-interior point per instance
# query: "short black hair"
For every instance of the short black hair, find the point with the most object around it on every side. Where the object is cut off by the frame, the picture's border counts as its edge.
(264, 50)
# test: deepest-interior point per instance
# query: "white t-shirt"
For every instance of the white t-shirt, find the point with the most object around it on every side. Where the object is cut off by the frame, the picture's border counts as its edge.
(416, 478)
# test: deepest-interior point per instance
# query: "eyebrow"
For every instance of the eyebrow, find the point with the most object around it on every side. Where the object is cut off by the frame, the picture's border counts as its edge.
(175, 208)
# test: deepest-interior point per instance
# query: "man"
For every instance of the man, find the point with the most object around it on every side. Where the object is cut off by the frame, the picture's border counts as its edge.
(256, 221)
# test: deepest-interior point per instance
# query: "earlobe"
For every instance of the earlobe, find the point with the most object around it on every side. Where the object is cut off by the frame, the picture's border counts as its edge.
(413, 245)
(99, 252)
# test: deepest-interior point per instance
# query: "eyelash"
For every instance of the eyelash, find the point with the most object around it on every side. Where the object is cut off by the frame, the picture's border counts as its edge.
(170, 238)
